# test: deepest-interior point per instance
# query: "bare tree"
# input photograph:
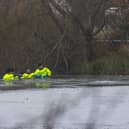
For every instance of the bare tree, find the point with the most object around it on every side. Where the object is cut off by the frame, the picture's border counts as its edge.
(118, 20)
(86, 17)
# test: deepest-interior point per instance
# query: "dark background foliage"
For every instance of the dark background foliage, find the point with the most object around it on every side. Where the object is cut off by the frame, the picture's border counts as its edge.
(69, 36)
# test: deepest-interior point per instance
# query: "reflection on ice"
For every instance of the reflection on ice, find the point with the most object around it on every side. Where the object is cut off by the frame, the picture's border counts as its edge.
(66, 108)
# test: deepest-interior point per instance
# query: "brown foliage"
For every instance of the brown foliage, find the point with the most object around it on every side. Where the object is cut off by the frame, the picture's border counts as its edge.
(25, 27)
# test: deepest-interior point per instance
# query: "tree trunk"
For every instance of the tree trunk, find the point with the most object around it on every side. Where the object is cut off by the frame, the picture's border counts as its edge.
(89, 47)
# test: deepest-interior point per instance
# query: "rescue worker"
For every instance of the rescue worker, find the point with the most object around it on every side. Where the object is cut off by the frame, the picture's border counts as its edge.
(42, 72)
(46, 72)
(27, 75)
(9, 75)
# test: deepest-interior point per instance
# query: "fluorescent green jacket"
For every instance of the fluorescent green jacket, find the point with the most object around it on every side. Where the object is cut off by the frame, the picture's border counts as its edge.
(8, 77)
(27, 76)
(46, 71)
(37, 72)
(43, 72)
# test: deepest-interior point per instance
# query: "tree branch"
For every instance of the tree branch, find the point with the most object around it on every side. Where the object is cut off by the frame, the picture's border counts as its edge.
(58, 8)
(99, 29)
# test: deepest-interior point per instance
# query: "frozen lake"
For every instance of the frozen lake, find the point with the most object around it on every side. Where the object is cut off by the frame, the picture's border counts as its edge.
(70, 103)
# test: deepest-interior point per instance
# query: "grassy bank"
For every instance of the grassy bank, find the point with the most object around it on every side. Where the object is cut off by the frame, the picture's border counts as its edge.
(108, 61)
(107, 65)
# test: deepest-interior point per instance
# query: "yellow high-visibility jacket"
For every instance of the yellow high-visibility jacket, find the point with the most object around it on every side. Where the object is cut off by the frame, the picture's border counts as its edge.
(27, 76)
(8, 77)
(46, 71)
(43, 72)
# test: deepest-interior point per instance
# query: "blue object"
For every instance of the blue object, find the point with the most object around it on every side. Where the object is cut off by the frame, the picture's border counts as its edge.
(37, 77)
(19, 75)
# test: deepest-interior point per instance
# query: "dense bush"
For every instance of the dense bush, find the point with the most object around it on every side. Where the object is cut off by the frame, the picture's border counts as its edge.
(29, 35)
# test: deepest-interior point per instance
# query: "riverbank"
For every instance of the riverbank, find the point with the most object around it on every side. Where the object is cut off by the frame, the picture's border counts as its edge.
(110, 60)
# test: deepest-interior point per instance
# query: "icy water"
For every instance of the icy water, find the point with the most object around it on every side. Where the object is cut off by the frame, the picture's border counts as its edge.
(81, 102)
